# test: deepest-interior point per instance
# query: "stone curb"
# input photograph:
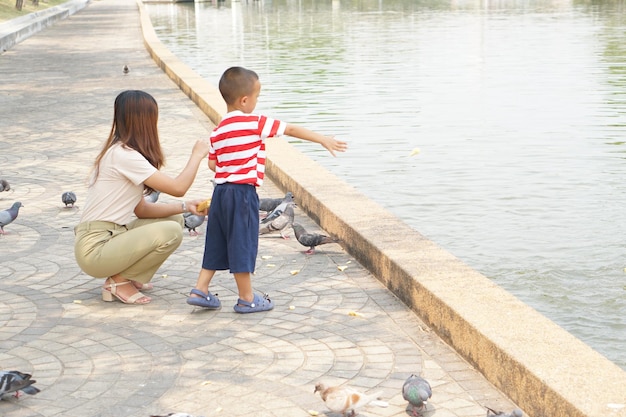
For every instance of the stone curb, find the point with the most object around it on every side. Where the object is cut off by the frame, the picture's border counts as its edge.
(540, 366)
(16, 30)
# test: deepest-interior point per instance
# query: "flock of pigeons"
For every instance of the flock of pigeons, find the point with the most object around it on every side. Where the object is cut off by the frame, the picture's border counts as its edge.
(279, 216)
(7, 216)
(339, 399)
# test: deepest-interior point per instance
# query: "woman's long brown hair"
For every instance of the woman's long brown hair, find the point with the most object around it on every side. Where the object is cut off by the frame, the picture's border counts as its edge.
(135, 118)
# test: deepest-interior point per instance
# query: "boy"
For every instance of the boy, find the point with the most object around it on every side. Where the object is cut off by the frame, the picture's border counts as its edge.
(237, 156)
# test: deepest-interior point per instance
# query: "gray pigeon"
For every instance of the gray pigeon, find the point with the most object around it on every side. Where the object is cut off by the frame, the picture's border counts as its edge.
(269, 204)
(15, 381)
(279, 209)
(310, 239)
(493, 413)
(7, 216)
(416, 390)
(125, 70)
(68, 198)
(280, 223)
(192, 221)
(4, 185)
(153, 196)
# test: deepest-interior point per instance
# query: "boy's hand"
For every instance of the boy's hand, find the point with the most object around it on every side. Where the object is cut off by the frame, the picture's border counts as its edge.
(333, 145)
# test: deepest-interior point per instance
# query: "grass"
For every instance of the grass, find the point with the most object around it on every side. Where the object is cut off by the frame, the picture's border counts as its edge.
(8, 10)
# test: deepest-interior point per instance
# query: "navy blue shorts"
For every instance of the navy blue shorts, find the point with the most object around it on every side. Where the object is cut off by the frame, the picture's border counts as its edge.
(232, 233)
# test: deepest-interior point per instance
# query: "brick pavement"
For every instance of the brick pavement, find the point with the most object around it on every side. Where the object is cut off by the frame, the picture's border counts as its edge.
(92, 358)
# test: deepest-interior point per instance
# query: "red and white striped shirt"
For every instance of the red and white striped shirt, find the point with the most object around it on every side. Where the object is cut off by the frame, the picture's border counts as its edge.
(238, 147)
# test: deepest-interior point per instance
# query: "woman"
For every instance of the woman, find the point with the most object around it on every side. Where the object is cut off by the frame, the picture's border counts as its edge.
(121, 236)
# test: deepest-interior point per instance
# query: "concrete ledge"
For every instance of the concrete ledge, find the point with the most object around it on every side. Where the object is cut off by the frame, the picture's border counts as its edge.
(537, 364)
(16, 30)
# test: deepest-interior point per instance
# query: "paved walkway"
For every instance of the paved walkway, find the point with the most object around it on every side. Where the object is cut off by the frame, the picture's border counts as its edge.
(92, 358)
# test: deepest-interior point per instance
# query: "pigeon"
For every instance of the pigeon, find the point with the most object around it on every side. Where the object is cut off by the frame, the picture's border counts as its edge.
(68, 197)
(192, 221)
(125, 70)
(7, 216)
(280, 223)
(4, 185)
(269, 204)
(310, 239)
(16, 381)
(279, 209)
(153, 196)
(416, 390)
(515, 413)
(346, 400)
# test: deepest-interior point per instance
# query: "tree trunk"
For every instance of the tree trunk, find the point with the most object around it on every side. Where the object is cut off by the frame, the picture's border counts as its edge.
(18, 4)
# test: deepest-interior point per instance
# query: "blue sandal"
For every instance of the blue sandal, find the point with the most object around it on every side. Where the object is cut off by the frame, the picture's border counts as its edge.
(205, 300)
(258, 304)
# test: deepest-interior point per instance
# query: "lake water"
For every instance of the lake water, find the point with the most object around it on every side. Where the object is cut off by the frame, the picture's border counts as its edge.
(518, 109)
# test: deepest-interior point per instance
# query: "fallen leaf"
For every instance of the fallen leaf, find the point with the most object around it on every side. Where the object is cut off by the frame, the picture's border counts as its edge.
(313, 412)
(206, 383)
(266, 257)
(415, 152)
(341, 267)
(77, 302)
(292, 307)
(354, 314)
(270, 265)
(294, 272)
(164, 276)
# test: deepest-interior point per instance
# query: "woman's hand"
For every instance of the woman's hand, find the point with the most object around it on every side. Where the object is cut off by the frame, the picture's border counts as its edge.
(192, 206)
(201, 148)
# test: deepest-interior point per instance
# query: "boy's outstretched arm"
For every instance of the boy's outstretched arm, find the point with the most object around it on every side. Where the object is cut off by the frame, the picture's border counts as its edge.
(329, 142)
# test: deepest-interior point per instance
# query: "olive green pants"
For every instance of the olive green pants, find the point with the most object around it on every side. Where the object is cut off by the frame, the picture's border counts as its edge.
(135, 251)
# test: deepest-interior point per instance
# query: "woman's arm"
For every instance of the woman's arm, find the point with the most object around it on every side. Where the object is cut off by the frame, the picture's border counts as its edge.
(147, 210)
(179, 185)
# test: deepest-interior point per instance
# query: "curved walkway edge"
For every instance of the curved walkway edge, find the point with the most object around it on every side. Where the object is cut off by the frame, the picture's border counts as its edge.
(540, 366)
(16, 30)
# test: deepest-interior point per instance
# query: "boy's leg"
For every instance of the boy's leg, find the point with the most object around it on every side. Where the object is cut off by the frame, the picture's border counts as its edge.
(249, 302)
(244, 285)
(204, 279)
(200, 295)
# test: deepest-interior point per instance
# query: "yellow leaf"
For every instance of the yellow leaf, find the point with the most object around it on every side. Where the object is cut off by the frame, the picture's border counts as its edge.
(313, 412)
(292, 307)
(415, 152)
(294, 272)
(355, 314)
(266, 257)
(341, 267)
(77, 302)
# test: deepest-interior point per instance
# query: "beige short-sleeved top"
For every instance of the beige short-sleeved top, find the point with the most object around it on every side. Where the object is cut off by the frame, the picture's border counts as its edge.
(119, 186)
